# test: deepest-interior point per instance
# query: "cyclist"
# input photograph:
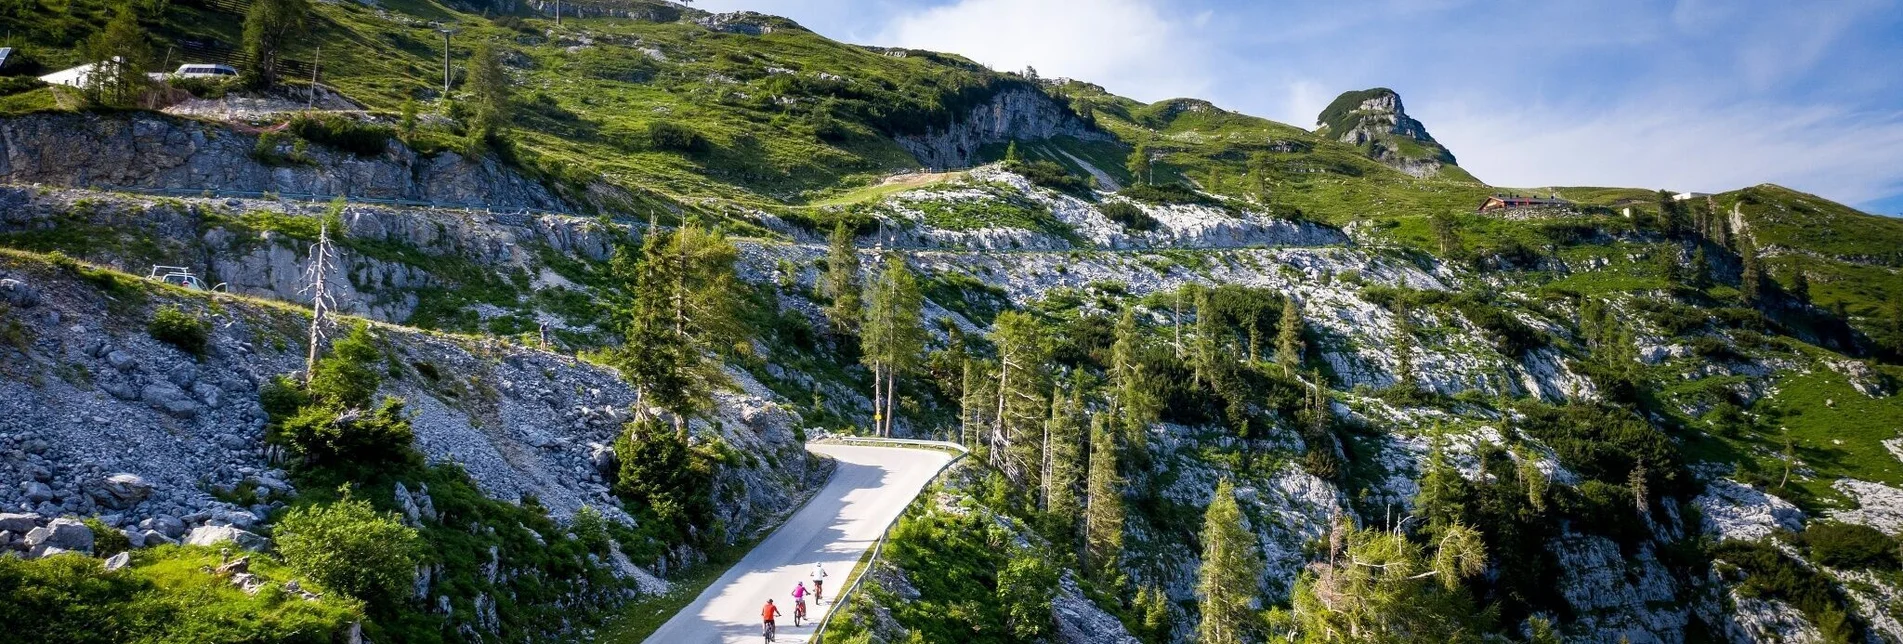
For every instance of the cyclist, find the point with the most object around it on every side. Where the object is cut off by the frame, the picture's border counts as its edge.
(819, 581)
(768, 613)
(799, 603)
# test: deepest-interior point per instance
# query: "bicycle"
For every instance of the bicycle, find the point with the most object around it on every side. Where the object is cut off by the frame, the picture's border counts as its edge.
(767, 631)
(799, 612)
(818, 591)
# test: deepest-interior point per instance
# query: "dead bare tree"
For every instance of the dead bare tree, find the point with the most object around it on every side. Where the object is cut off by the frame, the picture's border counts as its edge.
(323, 256)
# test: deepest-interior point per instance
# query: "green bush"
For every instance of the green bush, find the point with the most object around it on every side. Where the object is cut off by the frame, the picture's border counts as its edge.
(1849, 545)
(328, 435)
(1769, 573)
(350, 548)
(1049, 175)
(10, 85)
(1025, 588)
(665, 135)
(1128, 215)
(282, 397)
(174, 326)
(107, 540)
(348, 376)
(591, 530)
(205, 87)
(342, 133)
(662, 476)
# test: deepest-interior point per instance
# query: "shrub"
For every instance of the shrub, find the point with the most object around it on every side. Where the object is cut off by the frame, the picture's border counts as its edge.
(205, 87)
(1128, 215)
(107, 540)
(1025, 588)
(591, 530)
(10, 85)
(326, 434)
(342, 133)
(1049, 175)
(348, 376)
(659, 473)
(1849, 545)
(664, 135)
(174, 326)
(282, 397)
(348, 547)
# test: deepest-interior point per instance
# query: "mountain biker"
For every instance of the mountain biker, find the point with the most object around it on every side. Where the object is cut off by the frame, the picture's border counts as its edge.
(768, 613)
(819, 581)
(799, 602)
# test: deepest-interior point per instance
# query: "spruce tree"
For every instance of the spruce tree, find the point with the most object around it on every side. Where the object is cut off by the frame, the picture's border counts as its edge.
(1134, 403)
(270, 26)
(894, 336)
(1288, 341)
(1701, 269)
(1230, 573)
(1064, 472)
(1103, 510)
(1022, 353)
(1800, 286)
(1376, 585)
(684, 309)
(1667, 259)
(842, 281)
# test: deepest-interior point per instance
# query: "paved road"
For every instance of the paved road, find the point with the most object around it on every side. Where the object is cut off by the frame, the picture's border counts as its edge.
(871, 486)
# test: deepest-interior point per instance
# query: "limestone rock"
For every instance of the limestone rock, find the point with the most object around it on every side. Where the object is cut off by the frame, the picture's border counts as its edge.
(63, 534)
(213, 535)
(1733, 510)
(19, 523)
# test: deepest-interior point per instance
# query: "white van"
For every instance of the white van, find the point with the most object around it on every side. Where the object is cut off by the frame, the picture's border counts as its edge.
(204, 70)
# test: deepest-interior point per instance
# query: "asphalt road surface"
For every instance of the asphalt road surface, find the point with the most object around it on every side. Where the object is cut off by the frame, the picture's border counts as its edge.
(870, 488)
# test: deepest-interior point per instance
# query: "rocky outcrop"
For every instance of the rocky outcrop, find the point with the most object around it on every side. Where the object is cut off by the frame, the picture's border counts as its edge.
(1080, 621)
(1733, 510)
(385, 255)
(1020, 113)
(1375, 120)
(147, 151)
(86, 431)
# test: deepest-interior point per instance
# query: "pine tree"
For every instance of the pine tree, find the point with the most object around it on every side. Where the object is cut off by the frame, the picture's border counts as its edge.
(1533, 477)
(1752, 276)
(1011, 153)
(120, 54)
(1378, 586)
(488, 87)
(1671, 215)
(1441, 500)
(1636, 481)
(842, 281)
(1800, 286)
(1230, 573)
(270, 26)
(894, 336)
(1203, 345)
(1288, 341)
(1667, 259)
(1153, 605)
(1103, 510)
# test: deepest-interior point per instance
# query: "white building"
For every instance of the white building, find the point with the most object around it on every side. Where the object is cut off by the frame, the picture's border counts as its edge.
(74, 77)
(1687, 196)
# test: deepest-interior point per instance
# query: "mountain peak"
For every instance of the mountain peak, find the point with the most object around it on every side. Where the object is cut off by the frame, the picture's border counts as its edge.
(1376, 120)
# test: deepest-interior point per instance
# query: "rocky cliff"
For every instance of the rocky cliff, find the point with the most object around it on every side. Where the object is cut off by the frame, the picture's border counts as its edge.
(1375, 121)
(1014, 113)
(147, 151)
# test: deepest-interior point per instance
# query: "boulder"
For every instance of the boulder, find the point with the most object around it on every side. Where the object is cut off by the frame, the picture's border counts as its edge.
(165, 524)
(121, 360)
(36, 492)
(214, 535)
(19, 523)
(118, 561)
(154, 539)
(61, 534)
(120, 491)
(17, 293)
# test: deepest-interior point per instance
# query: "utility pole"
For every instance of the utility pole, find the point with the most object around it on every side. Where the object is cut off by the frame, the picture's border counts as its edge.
(558, 13)
(445, 64)
(310, 99)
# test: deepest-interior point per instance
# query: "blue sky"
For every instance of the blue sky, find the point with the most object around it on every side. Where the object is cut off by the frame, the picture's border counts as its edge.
(1702, 95)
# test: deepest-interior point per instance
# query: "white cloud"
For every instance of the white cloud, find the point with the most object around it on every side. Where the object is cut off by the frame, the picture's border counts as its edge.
(1133, 47)
(1663, 141)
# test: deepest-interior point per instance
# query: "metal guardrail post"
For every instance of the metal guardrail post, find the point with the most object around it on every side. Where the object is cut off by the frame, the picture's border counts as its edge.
(878, 547)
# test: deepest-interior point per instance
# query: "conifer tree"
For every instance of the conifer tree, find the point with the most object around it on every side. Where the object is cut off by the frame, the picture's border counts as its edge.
(1064, 458)
(1288, 341)
(684, 308)
(1203, 345)
(1667, 259)
(1152, 604)
(1022, 354)
(488, 87)
(1139, 164)
(1376, 585)
(1751, 278)
(1011, 152)
(1701, 269)
(270, 26)
(842, 281)
(1134, 402)
(1800, 286)
(1230, 573)
(893, 338)
(1103, 510)
(119, 54)
(1446, 233)
(1533, 478)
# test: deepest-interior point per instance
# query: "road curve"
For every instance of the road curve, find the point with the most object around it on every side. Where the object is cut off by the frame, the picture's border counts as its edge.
(870, 487)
